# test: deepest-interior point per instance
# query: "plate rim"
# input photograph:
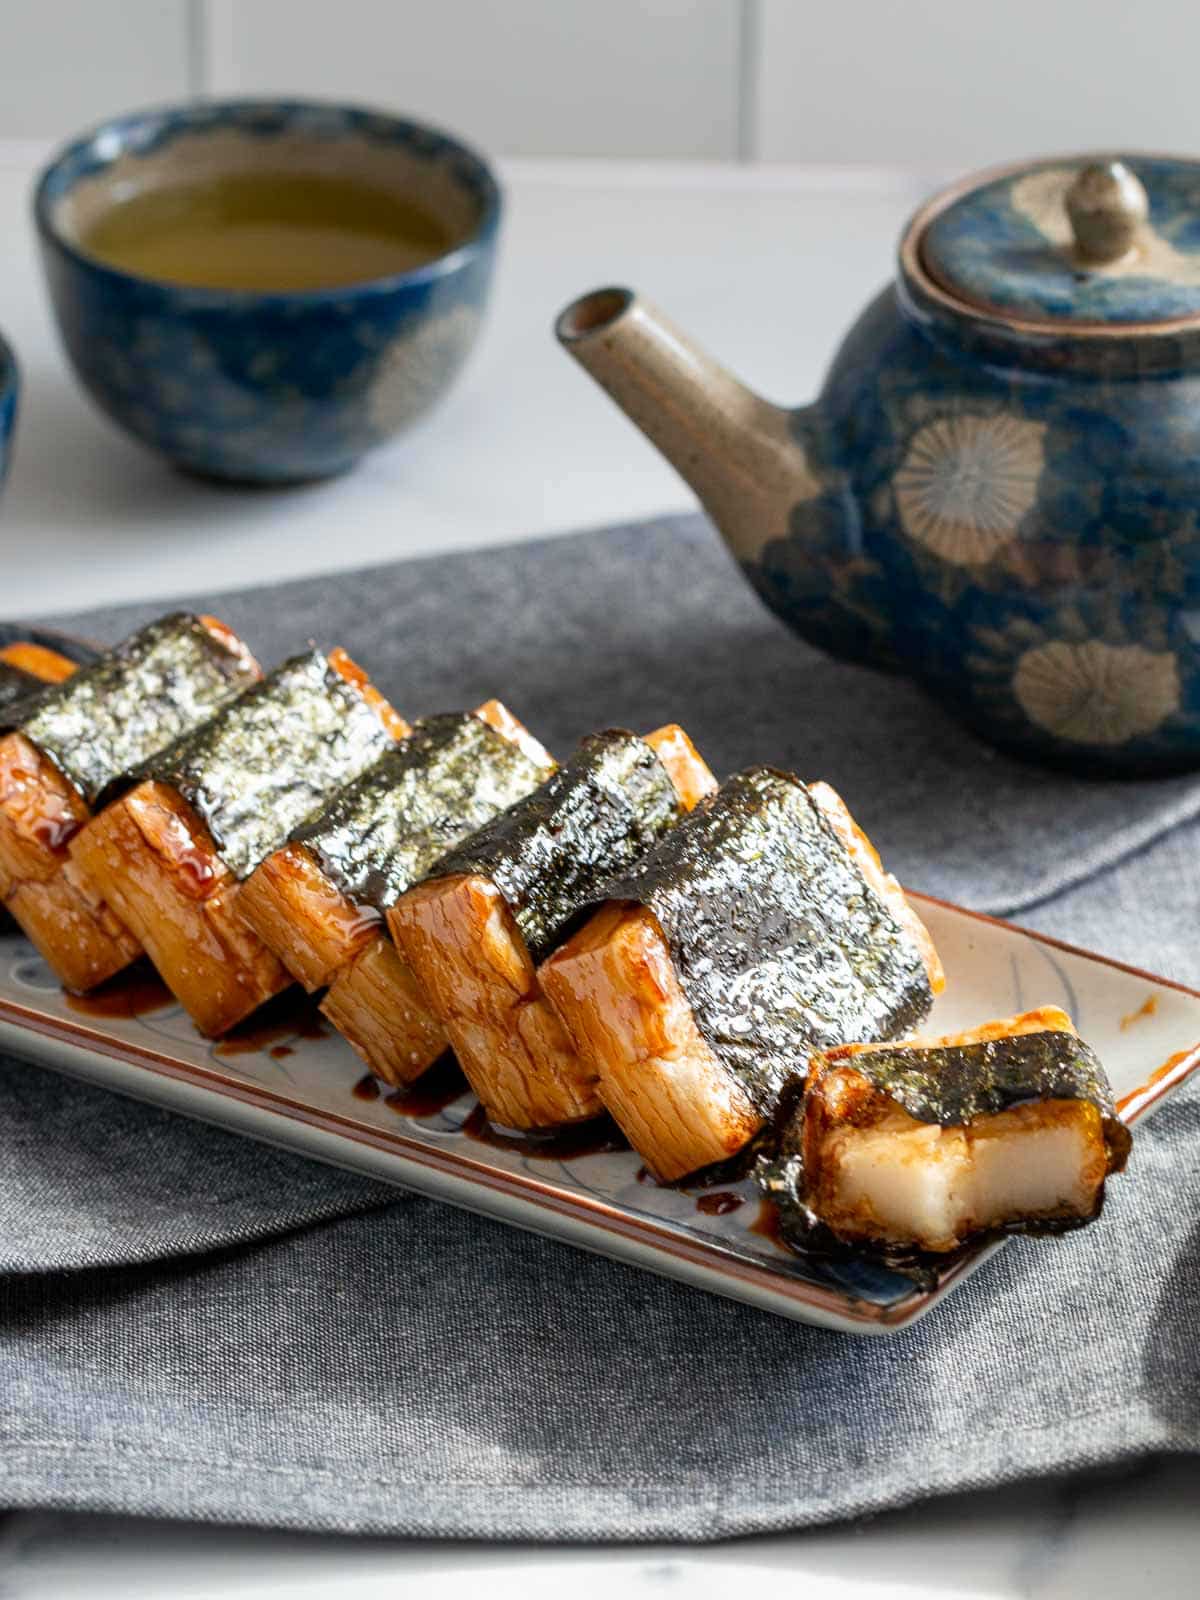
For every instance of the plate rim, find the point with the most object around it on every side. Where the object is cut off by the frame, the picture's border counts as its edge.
(711, 1258)
(1136, 1102)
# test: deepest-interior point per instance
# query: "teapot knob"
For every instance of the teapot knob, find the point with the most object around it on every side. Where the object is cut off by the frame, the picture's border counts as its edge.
(1107, 205)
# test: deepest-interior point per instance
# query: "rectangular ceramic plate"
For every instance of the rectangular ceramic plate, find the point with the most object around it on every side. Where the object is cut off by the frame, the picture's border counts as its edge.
(1144, 1029)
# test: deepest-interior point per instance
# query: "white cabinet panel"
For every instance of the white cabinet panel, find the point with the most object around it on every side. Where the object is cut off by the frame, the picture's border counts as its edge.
(67, 63)
(952, 84)
(524, 77)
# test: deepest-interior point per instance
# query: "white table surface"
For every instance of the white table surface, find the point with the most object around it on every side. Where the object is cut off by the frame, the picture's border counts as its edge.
(767, 267)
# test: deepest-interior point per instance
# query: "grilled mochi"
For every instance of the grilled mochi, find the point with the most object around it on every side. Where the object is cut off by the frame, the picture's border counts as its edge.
(924, 1144)
(25, 668)
(761, 928)
(474, 931)
(171, 852)
(67, 746)
(318, 903)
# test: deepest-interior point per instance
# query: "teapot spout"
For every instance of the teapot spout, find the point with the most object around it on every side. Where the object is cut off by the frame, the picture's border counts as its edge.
(737, 451)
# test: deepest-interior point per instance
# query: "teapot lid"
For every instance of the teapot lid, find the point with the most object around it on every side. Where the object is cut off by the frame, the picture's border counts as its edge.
(1094, 243)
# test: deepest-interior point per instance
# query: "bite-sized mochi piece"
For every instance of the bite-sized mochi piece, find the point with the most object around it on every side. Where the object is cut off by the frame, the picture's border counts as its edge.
(171, 853)
(36, 661)
(303, 918)
(924, 1144)
(155, 861)
(473, 932)
(318, 902)
(69, 747)
(787, 934)
(319, 899)
(381, 1010)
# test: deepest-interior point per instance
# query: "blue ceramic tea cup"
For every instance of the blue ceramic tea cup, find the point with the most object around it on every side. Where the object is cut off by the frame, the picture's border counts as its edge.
(267, 387)
(10, 384)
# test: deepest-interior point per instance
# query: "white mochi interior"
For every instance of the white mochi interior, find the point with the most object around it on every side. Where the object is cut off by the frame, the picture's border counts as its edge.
(920, 1183)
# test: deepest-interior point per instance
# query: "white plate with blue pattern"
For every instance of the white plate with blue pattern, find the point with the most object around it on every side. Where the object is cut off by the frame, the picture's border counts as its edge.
(293, 1082)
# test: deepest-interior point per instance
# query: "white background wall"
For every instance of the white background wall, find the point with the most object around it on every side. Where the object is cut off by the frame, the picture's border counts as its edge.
(935, 83)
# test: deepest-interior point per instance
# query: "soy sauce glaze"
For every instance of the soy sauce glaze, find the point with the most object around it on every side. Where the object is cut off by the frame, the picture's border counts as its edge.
(436, 1089)
(137, 992)
(711, 1201)
(291, 1015)
(719, 1202)
(598, 1136)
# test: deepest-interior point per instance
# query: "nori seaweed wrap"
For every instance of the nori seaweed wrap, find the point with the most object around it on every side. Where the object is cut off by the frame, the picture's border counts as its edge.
(780, 944)
(142, 696)
(71, 740)
(317, 902)
(272, 759)
(187, 826)
(15, 686)
(550, 854)
(384, 832)
(760, 929)
(913, 1149)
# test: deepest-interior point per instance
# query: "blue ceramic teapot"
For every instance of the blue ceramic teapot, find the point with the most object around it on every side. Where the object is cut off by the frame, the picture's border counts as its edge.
(998, 489)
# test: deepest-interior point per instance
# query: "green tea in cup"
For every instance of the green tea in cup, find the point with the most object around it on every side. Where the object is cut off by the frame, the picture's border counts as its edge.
(267, 232)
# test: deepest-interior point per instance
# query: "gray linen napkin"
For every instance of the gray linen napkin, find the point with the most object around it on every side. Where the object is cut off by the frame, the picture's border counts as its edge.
(88, 1179)
(416, 1370)
(425, 1372)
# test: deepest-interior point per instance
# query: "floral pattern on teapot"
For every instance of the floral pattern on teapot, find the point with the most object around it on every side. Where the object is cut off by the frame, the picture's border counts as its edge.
(1028, 547)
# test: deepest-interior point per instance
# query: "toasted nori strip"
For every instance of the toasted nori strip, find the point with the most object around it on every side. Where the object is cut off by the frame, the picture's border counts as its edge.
(382, 833)
(780, 944)
(140, 697)
(15, 686)
(950, 1085)
(550, 854)
(954, 1084)
(272, 758)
